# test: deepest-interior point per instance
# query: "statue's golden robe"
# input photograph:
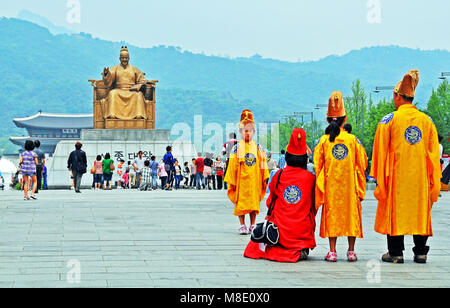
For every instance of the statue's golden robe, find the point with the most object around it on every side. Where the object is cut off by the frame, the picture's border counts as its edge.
(121, 103)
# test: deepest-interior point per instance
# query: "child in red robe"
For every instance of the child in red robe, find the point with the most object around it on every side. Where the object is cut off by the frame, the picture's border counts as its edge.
(294, 210)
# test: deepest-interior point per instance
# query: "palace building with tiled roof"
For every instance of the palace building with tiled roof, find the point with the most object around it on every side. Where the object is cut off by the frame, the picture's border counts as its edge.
(51, 128)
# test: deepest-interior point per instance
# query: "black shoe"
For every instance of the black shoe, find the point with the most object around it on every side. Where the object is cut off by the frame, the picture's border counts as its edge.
(388, 258)
(420, 259)
(78, 192)
(304, 254)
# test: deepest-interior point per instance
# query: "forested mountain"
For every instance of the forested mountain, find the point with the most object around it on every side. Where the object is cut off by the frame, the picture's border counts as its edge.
(42, 71)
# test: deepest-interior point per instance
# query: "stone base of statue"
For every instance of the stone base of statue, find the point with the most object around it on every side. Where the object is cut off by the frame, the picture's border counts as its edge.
(120, 144)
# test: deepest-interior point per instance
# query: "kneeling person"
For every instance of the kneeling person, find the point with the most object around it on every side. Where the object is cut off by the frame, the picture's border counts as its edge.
(146, 180)
(294, 211)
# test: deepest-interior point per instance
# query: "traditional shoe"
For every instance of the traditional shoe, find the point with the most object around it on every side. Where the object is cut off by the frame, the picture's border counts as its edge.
(388, 258)
(304, 254)
(351, 256)
(243, 230)
(420, 258)
(331, 257)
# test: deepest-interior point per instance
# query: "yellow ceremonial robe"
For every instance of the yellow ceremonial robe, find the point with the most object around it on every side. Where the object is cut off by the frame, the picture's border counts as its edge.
(121, 103)
(340, 184)
(247, 171)
(406, 164)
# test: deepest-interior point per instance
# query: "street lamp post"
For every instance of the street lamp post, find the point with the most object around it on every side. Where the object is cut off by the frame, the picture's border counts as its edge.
(384, 88)
(312, 122)
(444, 75)
(318, 106)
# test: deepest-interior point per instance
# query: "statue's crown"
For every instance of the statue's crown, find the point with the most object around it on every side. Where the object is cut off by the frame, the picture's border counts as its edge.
(124, 49)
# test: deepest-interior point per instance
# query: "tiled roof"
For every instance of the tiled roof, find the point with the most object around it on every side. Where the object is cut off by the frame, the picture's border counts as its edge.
(54, 120)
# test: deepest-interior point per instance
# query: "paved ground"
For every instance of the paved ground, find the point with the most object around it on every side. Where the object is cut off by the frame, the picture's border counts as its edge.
(182, 239)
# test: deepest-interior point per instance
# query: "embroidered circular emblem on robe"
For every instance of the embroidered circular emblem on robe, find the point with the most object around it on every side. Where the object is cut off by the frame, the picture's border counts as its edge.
(292, 194)
(250, 159)
(386, 119)
(340, 151)
(413, 135)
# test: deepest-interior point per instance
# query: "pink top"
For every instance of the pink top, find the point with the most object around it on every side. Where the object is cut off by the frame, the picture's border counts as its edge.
(162, 170)
(98, 167)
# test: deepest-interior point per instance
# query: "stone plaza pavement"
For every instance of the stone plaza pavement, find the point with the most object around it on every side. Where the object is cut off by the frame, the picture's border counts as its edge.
(184, 239)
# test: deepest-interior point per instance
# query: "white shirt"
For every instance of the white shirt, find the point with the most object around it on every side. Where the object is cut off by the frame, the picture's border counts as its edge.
(139, 163)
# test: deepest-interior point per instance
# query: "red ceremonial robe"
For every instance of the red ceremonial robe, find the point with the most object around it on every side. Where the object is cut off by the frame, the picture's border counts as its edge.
(294, 214)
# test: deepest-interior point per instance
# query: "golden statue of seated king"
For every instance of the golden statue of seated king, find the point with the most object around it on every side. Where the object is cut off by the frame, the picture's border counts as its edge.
(124, 99)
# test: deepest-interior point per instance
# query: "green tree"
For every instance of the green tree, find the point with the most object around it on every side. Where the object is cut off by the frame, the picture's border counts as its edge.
(286, 129)
(438, 108)
(375, 114)
(313, 131)
(357, 109)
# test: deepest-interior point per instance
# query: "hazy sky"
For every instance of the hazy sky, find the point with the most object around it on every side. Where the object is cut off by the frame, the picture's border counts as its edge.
(282, 29)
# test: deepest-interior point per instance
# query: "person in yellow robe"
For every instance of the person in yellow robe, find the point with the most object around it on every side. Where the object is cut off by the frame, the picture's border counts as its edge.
(125, 101)
(405, 163)
(247, 174)
(340, 162)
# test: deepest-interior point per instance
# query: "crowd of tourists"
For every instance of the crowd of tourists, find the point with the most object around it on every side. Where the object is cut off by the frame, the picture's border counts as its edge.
(168, 173)
(204, 172)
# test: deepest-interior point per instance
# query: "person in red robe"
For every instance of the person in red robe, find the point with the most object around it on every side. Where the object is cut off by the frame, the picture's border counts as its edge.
(294, 211)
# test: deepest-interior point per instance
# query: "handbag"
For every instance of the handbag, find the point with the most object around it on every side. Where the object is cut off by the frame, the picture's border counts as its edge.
(93, 170)
(267, 232)
(111, 166)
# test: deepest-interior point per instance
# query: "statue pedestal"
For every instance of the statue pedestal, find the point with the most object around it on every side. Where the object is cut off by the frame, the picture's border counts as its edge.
(126, 135)
(120, 144)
